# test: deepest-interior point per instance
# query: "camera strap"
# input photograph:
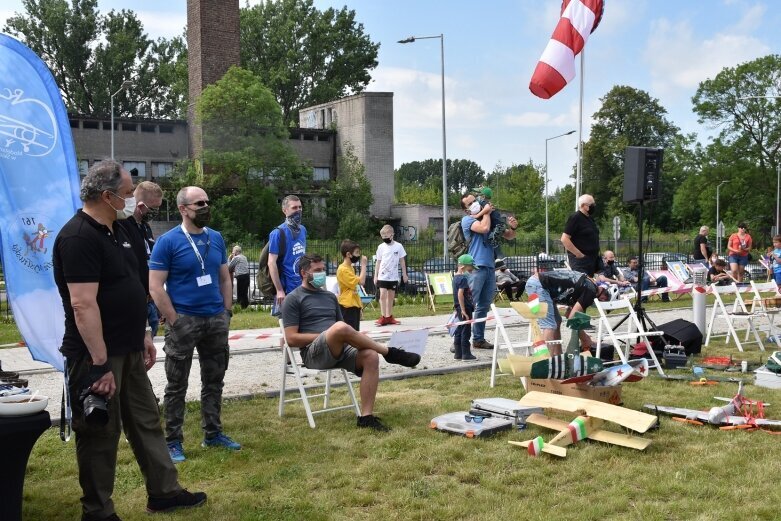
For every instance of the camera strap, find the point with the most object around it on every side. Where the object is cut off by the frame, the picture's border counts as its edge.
(66, 414)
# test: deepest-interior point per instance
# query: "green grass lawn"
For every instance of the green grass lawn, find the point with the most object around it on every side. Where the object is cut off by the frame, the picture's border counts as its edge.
(287, 471)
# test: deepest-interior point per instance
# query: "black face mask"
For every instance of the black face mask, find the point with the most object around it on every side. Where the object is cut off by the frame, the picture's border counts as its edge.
(355, 258)
(387, 241)
(591, 209)
(611, 262)
(202, 216)
(149, 215)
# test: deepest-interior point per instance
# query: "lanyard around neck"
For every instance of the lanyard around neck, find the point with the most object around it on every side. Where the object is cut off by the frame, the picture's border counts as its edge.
(195, 248)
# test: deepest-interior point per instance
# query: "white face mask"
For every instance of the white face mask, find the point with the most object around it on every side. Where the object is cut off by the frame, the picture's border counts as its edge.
(474, 208)
(128, 210)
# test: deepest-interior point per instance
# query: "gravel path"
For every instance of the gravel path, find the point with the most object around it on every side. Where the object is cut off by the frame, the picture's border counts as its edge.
(255, 364)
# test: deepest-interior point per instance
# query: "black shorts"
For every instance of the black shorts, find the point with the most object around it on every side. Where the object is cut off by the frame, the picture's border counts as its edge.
(388, 284)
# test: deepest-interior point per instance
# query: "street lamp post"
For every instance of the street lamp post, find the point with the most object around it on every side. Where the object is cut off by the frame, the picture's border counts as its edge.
(441, 37)
(125, 85)
(718, 232)
(547, 231)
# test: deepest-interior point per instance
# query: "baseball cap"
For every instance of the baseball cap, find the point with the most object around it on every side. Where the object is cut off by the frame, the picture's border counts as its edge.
(487, 192)
(466, 260)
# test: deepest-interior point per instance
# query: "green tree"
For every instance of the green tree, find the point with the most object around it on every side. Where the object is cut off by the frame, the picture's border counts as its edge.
(627, 117)
(246, 153)
(420, 182)
(348, 198)
(519, 190)
(304, 55)
(91, 55)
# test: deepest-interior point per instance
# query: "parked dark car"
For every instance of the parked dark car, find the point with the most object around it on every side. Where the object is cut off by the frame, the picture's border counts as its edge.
(653, 261)
(439, 265)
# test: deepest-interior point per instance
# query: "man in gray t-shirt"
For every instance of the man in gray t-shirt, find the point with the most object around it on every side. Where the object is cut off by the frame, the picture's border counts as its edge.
(313, 323)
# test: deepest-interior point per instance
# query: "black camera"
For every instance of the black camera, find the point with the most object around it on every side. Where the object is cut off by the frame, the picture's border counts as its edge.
(95, 408)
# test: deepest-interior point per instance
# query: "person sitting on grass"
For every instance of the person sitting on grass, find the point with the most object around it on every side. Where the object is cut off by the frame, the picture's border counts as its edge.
(717, 274)
(462, 302)
(313, 323)
(349, 300)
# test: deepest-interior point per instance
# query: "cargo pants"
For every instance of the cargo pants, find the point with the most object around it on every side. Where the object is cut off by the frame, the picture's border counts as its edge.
(209, 336)
(134, 410)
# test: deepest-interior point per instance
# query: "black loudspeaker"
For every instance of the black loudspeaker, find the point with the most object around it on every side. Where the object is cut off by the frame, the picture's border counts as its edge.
(642, 167)
(685, 333)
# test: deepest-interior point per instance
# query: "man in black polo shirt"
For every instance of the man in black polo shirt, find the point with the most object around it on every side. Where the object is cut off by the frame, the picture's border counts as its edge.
(107, 350)
(581, 238)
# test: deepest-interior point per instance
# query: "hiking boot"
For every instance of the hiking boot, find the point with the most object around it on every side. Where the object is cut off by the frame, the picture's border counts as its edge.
(469, 358)
(482, 344)
(392, 321)
(184, 499)
(372, 422)
(221, 440)
(176, 452)
(400, 357)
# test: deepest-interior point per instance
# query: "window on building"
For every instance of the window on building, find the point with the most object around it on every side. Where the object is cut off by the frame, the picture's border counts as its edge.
(129, 127)
(162, 169)
(166, 129)
(74, 123)
(93, 125)
(321, 173)
(83, 166)
(436, 223)
(136, 168)
(148, 128)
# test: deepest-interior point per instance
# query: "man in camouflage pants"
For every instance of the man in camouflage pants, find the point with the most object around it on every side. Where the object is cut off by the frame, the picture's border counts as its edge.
(196, 301)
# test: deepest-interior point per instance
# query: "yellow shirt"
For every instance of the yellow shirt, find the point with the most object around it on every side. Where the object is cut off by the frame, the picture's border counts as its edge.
(348, 281)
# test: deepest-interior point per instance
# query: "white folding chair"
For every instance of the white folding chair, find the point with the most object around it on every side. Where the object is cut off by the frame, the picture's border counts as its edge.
(289, 360)
(621, 340)
(765, 304)
(738, 313)
(502, 339)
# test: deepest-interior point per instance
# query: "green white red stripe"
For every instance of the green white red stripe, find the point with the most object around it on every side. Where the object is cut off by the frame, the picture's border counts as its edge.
(577, 429)
(534, 303)
(535, 446)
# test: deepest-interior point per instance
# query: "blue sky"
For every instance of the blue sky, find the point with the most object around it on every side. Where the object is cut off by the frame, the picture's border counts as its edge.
(665, 47)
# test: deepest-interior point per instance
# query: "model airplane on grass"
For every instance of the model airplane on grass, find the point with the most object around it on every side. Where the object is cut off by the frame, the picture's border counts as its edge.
(632, 371)
(739, 413)
(591, 416)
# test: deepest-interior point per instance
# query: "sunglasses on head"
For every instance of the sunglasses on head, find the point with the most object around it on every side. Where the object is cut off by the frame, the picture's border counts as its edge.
(200, 204)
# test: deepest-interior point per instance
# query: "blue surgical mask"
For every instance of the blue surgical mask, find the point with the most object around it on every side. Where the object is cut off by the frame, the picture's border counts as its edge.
(317, 280)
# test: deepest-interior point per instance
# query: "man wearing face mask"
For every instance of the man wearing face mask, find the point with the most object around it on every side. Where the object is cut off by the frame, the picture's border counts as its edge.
(313, 323)
(581, 238)
(610, 272)
(148, 197)
(283, 263)
(191, 285)
(107, 351)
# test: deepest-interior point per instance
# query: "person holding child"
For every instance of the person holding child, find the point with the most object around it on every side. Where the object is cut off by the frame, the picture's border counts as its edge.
(462, 302)
(349, 300)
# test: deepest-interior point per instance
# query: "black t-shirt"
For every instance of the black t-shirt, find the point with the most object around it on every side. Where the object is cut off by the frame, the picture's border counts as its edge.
(583, 232)
(568, 287)
(611, 271)
(86, 251)
(712, 273)
(701, 239)
(137, 233)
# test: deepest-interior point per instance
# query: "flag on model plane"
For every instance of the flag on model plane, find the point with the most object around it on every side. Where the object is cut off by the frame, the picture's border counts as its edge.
(534, 303)
(556, 68)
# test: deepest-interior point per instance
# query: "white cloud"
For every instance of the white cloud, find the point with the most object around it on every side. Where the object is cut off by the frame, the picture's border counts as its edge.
(166, 24)
(679, 60)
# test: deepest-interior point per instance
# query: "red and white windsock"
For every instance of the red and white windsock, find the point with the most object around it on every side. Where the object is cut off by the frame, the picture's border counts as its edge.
(556, 67)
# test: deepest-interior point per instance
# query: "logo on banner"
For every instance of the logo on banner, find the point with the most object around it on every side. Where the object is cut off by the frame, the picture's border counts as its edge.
(24, 131)
(34, 241)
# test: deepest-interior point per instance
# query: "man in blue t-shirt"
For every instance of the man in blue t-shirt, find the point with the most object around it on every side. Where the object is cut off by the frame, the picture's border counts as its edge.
(191, 286)
(483, 282)
(283, 265)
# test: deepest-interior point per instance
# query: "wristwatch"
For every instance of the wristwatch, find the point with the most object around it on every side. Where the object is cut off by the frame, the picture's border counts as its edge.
(148, 329)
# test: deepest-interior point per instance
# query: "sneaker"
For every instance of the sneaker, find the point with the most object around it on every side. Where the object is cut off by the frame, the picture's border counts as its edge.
(456, 358)
(392, 321)
(176, 452)
(221, 440)
(184, 499)
(372, 422)
(401, 357)
(482, 344)
(469, 358)
(382, 321)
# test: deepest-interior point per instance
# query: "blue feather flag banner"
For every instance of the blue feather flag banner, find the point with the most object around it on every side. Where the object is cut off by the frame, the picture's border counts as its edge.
(39, 193)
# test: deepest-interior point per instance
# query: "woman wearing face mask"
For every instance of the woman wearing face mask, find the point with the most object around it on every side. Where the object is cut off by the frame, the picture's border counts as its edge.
(386, 273)
(349, 300)
(581, 238)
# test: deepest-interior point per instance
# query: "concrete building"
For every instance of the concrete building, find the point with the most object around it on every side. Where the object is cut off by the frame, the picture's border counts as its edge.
(364, 121)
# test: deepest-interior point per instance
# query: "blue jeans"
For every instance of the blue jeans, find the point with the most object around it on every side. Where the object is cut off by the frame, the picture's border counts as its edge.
(661, 282)
(552, 319)
(483, 286)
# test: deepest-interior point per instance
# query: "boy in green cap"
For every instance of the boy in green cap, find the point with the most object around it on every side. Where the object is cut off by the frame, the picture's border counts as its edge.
(462, 302)
(498, 223)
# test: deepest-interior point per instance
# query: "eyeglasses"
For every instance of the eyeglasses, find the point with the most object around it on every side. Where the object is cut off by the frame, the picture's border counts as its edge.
(476, 419)
(199, 204)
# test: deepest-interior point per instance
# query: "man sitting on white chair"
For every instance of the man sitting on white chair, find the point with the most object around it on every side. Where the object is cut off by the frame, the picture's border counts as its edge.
(313, 323)
(648, 279)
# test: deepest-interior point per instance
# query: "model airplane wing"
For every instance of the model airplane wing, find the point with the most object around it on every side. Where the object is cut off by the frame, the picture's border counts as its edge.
(523, 309)
(635, 420)
(679, 412)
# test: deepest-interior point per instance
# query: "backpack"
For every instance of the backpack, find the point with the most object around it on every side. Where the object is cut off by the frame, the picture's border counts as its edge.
(263, 278)
(457, 244)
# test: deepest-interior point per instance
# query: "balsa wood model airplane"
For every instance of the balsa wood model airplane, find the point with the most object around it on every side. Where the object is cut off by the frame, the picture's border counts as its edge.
(588, 424)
